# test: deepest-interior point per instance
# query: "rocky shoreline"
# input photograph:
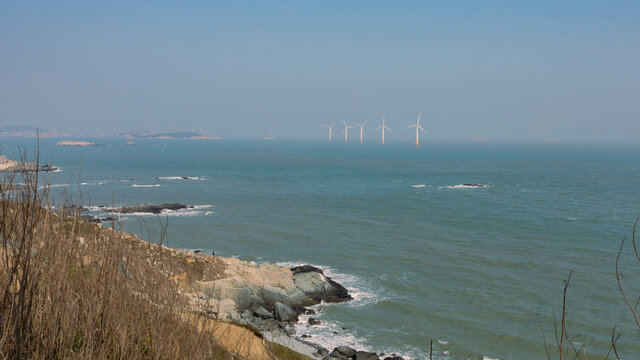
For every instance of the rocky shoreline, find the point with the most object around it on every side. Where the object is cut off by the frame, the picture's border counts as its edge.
(264, 297)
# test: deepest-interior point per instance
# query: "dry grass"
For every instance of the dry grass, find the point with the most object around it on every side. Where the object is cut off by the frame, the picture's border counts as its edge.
(73, 290)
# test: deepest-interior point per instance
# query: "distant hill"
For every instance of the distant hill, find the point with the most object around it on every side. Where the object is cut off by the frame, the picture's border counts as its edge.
(22, 130)
(167, 135)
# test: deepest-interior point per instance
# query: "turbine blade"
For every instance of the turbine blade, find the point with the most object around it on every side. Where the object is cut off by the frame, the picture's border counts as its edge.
(364, 123)
(410, 126)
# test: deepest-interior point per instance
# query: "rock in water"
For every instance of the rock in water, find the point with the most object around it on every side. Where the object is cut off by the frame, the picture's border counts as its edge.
(363, 355)
(285, 312)
(317, 287)
(313, 321)
(149, 208)
(343, 352)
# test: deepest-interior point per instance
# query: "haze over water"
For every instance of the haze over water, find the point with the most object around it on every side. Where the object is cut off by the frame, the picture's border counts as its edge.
(480, 269)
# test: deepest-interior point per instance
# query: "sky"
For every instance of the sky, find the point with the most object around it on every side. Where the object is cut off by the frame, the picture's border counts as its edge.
(504, 70)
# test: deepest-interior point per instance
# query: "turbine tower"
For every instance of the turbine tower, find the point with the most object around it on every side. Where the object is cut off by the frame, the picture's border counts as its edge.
(346, 130)
(330, 129)
(383, 127)
(361, 128)
(418, 128)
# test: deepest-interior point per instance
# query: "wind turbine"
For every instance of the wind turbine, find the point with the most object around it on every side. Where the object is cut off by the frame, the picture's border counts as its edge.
(361, 128)
(330, 129)
(418, 128)
(383, 127)
(346, 130)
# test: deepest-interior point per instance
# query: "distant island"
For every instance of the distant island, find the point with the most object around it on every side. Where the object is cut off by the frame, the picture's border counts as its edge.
(74, 143)
(189, 135)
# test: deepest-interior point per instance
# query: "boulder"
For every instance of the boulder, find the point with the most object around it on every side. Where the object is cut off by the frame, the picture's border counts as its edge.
(322, 352)
(285, 313)
(313, 321)
(263, 313)
(343, 352)
(363, 355)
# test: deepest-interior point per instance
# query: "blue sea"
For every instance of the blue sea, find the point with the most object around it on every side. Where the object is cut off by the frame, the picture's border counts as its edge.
(478, 270)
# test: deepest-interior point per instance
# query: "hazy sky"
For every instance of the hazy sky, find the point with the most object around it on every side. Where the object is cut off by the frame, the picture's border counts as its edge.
(494, 69)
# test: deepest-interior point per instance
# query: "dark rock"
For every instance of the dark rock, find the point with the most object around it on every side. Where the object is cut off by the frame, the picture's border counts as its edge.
(304, 336)
(305, 268)
(108, 218)
(313, 321)
(343, 352)
(89, 219)
(363, 355)
(309, 312)
(213, 253)
(197, 251)
(394, 357)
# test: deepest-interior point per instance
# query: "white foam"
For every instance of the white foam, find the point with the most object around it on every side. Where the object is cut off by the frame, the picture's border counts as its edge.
(442, 342)
(484, 357)
(419, 186)
(53, 186)
(572, 219)
(208, 213)
(145, 186)
(181, 178)
(466, 186)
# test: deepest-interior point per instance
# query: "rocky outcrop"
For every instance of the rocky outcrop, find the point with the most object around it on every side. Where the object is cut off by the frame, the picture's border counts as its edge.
(149, 208)
(318, 287)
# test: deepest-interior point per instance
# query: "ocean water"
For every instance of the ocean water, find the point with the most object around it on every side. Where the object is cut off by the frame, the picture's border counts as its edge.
(477, 270)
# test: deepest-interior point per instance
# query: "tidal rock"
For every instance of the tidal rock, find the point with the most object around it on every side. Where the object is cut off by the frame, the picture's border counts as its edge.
(394, 357)
(309, 312)
(363, 355)
(263, 313)
(343, 352)
(285, 313)
(313, 321)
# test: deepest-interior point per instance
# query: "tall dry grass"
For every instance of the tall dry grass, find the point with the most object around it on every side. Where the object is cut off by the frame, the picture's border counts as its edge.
(71, 290)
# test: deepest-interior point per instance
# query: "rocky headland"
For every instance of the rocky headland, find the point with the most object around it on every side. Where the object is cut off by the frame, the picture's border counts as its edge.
(266, 298)
(15, 166)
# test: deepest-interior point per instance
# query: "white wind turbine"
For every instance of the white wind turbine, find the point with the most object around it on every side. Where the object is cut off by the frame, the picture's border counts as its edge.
(346, 130)
(330, 129)
(383, 127)
(418, 128)
(361, 128)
